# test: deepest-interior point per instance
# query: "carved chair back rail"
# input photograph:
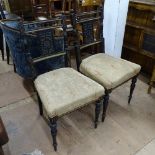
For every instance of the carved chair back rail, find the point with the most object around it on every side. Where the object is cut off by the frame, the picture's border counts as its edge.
(35, 43)
(88, 27)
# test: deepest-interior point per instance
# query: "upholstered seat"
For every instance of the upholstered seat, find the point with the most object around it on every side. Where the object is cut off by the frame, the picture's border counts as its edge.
(110, 72)
(64, 90)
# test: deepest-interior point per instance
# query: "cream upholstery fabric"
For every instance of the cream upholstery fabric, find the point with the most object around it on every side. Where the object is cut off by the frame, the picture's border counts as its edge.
(110, 72)
(65, 89)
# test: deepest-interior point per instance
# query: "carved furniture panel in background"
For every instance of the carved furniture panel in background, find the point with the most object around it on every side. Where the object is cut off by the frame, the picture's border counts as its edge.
(139, 40)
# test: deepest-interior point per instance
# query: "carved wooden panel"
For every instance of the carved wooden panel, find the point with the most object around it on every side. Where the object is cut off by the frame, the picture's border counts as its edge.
(149, 43)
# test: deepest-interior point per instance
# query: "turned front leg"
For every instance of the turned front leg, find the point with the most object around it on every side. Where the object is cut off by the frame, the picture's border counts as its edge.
(53, 126)
(97, 112)
(105, 104)
(40, 105)
(132, 87)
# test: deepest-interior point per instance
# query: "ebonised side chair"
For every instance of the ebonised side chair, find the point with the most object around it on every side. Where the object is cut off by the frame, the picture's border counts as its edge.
(62, 90)
(108, 71)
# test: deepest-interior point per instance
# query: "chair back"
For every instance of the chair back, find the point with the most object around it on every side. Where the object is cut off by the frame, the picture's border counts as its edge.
(88, 27)
(35, 47)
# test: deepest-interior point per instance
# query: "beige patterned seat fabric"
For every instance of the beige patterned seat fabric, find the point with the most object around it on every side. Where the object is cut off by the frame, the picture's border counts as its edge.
(110, 72)
(64, 90)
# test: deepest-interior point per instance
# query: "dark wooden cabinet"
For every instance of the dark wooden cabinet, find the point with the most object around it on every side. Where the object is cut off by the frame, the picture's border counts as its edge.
(139, 40)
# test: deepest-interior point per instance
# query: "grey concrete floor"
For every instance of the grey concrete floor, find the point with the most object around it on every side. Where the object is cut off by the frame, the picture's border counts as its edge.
(127, 130)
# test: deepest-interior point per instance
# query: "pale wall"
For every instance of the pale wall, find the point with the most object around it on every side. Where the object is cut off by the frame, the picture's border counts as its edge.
(115, 14)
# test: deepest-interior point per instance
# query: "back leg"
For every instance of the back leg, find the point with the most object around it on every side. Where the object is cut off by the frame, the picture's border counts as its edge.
(105, 105)
(132, 87)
